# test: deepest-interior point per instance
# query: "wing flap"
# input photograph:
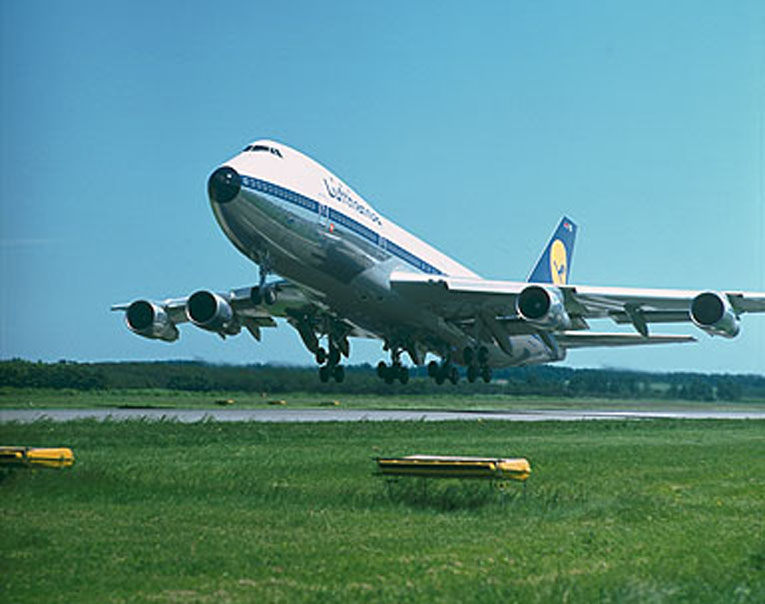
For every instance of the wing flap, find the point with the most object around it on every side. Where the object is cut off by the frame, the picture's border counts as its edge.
(589, 339)
(462, 299)
(746, 302)
(458, 298)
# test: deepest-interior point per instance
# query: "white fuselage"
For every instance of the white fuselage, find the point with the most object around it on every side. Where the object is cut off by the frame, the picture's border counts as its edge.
(304, 223)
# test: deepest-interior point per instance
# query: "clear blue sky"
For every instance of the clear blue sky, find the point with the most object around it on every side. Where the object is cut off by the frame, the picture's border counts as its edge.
(474, 125)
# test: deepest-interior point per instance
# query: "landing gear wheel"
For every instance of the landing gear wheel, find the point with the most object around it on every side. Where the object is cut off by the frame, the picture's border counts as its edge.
(334, 356)
(486, 374)
(255, 296)
(338, 372)
(433, 369)
(454, 375)
(321, 356)
(467, 355)
(382, 369)
(324, 374)
(472, 373)
(403, 375)
(269, 295)
(483, 355)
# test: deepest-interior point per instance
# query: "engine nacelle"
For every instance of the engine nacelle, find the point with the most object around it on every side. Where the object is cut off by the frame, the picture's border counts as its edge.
(150, 321)
(543, 307)
(712, 312)
(211, 312)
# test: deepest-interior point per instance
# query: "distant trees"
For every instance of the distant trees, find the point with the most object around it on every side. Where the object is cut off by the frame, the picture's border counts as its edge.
(544, 380)
(63, 374)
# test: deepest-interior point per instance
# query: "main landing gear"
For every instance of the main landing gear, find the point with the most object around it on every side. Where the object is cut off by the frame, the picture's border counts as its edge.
(391, 373)
(330, 364)
(314, 327)
(477, 360)
(394, 371)
(441, 372)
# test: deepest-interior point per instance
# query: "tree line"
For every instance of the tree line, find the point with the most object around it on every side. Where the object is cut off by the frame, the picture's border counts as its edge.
(543, 380)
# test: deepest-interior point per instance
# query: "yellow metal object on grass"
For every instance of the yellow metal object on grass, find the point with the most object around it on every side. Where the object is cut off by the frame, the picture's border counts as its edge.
(61, 457)
(446, 466)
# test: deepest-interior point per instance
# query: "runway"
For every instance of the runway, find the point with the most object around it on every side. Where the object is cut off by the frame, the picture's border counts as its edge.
(357, 415)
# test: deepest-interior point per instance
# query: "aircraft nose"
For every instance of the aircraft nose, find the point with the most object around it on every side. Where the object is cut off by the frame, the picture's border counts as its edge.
(224, 184)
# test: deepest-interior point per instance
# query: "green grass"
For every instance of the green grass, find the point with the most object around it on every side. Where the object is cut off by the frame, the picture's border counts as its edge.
(648, 511)
(30, 398)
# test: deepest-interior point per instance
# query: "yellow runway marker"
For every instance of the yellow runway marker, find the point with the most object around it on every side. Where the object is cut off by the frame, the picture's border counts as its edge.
(61, 457)
(446, 466)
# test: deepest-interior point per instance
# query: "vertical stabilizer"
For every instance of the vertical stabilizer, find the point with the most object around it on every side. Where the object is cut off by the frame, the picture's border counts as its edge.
(554, 266)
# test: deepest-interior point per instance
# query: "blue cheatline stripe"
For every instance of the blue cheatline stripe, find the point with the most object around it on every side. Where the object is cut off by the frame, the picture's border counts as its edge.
(344, 220)
(412, 259)
(282, 193)
(354, 226)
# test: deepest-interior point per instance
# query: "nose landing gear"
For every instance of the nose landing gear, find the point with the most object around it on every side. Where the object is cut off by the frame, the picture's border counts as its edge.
(264, 293)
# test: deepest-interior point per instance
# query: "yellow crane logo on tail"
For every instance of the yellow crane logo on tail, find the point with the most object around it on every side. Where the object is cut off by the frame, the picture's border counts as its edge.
(558, 263)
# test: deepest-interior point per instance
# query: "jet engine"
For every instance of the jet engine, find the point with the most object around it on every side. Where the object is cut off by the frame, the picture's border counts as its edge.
(543, 308)
(150, 321)
(712, 312)
(211, 312)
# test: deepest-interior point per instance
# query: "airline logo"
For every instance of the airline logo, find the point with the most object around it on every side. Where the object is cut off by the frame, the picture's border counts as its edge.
(558, 262)
(337, 192)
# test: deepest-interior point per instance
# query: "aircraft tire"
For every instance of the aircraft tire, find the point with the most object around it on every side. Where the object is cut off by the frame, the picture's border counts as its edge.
(454, 375)
(433, 369)
(483, 355)
(321, 356)
(468, 355)
(403, 375)
(486, 374)
(324, 374)
(472, 373)
(382, 369)
(334, 355)
(270, 296)
(338, 372)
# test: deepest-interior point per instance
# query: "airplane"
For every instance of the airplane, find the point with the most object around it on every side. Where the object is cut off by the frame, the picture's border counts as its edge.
(346, 271)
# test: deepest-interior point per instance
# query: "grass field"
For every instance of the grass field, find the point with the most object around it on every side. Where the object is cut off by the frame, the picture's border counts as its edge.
(38, 398)
(634, 511)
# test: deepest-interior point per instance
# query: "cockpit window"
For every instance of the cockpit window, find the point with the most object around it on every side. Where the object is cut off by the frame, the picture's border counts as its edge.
(255, 148)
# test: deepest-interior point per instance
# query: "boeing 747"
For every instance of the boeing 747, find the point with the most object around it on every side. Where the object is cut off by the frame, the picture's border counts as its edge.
(346, 271)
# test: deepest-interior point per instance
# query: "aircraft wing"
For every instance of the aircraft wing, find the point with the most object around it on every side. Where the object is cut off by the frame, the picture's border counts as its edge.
(226, 313)
(564, 309)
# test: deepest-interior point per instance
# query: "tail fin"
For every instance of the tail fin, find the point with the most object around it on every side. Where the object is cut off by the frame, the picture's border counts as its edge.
(554, 265)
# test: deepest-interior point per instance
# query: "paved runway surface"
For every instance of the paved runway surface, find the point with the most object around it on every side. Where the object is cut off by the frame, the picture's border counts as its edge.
(353, 415)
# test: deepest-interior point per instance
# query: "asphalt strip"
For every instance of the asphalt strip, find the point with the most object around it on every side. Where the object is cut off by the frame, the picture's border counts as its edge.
(354, 415)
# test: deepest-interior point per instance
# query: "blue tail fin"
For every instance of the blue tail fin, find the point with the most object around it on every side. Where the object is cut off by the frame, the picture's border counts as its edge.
(555, 264)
